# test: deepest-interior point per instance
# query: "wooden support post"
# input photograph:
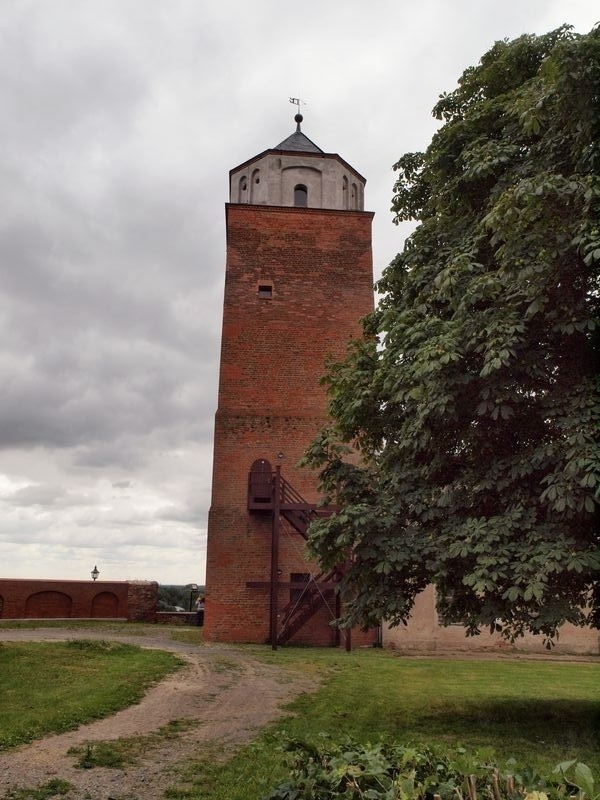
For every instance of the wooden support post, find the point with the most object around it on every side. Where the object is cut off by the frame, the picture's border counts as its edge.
(275, 557)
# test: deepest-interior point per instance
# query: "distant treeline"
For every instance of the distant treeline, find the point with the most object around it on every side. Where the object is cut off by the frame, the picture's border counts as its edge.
(174, 598)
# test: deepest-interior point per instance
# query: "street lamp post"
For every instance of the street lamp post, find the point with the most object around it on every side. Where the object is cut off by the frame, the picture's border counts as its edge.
(95, 573)
(193, 587)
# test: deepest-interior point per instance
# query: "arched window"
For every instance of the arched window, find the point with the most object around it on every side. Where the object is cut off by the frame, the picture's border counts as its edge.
(300, 195)
(354, 197)
(344, 192)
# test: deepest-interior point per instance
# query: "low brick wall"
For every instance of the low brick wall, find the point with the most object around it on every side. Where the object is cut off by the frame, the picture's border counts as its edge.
(49, 599)
(176, 617)
(142, 600)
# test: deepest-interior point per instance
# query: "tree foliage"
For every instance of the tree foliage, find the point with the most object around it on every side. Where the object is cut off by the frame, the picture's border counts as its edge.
(474, 398)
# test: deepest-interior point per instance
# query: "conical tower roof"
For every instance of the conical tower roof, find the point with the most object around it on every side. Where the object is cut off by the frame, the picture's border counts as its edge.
(298, 142)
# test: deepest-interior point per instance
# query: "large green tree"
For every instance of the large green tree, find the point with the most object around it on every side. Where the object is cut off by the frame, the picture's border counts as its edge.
(474, 399)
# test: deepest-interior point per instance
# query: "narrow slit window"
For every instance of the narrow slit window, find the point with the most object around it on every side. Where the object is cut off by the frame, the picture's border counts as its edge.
(265, 290)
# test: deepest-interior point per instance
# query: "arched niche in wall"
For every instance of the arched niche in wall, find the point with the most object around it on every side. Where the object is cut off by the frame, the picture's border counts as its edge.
(48, 605)
(260, 484)
(309, 177)
(105, 604)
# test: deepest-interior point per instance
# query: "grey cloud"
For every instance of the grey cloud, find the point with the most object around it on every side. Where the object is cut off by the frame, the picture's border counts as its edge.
(120, 121)
(37, 495)
(55, 82)
(191, 515)
(96, 401)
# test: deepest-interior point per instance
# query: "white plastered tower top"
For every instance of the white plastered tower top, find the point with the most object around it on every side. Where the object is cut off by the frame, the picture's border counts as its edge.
(298, 173)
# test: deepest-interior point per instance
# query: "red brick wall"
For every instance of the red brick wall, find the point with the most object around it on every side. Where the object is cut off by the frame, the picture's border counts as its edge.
(320, 266)
(46, 599)
(142, 600)
(271, 403)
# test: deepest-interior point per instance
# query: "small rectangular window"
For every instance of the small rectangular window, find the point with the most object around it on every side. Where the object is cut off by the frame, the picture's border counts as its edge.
(265, 290)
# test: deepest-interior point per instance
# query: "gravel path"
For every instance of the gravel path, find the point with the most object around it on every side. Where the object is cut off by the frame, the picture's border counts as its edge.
(229, 694)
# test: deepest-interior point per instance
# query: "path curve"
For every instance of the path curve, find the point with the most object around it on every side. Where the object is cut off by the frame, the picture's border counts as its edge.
(231, 694)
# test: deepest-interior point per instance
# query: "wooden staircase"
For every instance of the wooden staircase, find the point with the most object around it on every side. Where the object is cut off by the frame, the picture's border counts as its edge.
(294, 508)
(299, 611)
(269, 493)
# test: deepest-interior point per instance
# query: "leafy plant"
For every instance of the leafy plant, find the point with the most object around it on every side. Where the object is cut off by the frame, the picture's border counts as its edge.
(579, 776)
(395, 772)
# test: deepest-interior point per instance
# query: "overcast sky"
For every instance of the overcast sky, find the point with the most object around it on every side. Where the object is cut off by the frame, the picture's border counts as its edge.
(119, 123)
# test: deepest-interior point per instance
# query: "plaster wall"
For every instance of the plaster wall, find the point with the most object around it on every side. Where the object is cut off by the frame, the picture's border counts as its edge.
(424, 634)
(270, 180)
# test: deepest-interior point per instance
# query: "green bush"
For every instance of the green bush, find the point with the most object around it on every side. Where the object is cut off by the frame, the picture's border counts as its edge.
(394, 772)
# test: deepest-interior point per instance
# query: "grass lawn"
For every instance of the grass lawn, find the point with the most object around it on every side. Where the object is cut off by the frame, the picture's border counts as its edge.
(55, 686)
(537, 712)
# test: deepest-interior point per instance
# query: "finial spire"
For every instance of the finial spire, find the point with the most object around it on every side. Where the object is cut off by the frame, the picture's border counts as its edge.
(298, 118)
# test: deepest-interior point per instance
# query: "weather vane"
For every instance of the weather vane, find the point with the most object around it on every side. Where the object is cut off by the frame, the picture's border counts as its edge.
(298, 117)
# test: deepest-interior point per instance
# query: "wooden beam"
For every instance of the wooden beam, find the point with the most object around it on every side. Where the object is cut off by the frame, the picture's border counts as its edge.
(275, 557)
(289, 584)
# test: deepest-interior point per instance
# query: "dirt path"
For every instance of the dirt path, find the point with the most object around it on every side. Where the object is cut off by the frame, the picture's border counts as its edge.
(230, 694)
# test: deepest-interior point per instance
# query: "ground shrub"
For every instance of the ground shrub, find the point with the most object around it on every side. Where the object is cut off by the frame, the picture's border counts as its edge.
(389, 771)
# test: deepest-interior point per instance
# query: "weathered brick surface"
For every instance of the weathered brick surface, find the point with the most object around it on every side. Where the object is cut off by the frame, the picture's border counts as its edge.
(50, 599)
(142, 600)
(318, 263)
(271, 403)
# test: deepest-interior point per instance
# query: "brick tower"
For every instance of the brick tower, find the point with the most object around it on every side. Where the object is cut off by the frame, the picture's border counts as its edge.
(299, 278)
